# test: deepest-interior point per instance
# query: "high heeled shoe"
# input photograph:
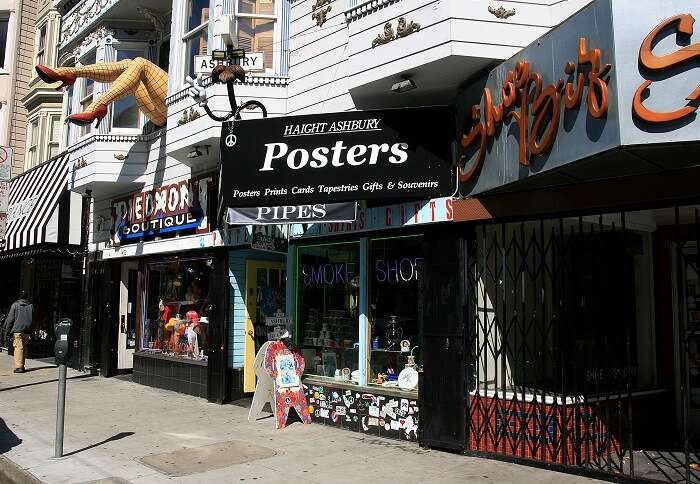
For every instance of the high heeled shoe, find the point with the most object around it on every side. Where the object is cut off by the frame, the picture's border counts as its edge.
(83, 119)
(50, 76)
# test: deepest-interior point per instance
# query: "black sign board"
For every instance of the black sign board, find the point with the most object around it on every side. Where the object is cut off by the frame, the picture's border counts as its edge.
(296, 160)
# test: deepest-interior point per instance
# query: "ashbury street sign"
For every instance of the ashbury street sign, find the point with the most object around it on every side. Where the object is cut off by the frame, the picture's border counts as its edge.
(325, 158)
(252, 62)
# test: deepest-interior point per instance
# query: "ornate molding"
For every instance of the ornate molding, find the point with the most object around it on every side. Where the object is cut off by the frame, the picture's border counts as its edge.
(403, 29)
(252, 80)
(320, 15)
(188, 116)
(96, 36)
(385, 37)
(501, 12)
(81, 16)
(120, 156)
(155, 18)
(366, 8)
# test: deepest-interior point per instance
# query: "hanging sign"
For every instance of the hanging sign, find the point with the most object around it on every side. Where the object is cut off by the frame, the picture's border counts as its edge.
(318, 212)
(323, 158)
(161, 211)
(252, 62)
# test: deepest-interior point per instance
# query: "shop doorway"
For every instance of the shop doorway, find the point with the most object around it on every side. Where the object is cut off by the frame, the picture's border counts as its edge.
(265, 297)
(128, 311)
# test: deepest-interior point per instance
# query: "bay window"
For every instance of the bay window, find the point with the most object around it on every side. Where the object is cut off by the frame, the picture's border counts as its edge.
(33, 145)
(54, 135)
(41, 46)
(256, 28)
(125, 112)
(196, 32)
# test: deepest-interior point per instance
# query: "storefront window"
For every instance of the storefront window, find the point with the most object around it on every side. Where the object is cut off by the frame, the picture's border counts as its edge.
(177, 308)
(327, 308)
(394, 305)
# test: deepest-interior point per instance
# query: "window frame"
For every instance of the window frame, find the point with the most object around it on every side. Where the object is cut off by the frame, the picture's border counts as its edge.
(6, 16)
(32, 158)
(276, 41)
(188, 35)
(141, 47)
(50, 142)
(41, 49)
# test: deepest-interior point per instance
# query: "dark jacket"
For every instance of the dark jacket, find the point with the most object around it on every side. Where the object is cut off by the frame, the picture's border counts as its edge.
(20, 317)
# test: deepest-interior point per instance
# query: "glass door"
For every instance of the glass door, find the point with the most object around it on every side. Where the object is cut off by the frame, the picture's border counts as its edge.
(265, 297)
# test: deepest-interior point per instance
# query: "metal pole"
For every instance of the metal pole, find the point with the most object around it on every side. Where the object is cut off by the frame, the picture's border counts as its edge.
(60, 410)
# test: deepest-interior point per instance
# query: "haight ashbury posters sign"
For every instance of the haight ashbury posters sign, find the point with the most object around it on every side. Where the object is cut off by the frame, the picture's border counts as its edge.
(294, 160)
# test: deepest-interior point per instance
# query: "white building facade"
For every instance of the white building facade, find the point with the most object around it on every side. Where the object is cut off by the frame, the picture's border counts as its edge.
(318, 56)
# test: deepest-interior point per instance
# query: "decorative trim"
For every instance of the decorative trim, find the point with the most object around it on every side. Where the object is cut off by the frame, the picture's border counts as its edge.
(155, 18)
(320, 11)
(366, 8)
(120, 156)
(82, 16)
(116, 138)
(252, 80)
(501, 12)
(188, 116)
(403, 29)
(96, 36)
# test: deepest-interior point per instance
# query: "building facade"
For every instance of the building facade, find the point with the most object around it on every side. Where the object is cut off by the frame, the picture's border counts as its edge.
(547, 298)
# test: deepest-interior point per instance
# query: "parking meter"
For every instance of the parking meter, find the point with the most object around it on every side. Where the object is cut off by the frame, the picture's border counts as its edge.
(61, 349)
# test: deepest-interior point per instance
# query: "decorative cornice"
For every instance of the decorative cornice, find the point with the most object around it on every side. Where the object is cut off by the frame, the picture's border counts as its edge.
(96, 36)
(252, 80)
(81, 17)
(501, 12)
(366, 8)
(116, 138)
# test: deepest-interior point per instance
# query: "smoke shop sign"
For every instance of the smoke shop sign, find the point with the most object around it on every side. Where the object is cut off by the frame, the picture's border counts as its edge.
(297, 160)
(162, 211)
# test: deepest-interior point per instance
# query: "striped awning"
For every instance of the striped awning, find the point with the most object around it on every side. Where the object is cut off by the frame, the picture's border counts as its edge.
(41, 210)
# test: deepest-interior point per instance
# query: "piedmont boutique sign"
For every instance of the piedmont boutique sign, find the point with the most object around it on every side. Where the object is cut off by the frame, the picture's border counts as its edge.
(401, 153)
(162, 211)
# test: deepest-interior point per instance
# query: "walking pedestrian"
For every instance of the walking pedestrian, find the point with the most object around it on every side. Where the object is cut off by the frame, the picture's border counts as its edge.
(19, 322)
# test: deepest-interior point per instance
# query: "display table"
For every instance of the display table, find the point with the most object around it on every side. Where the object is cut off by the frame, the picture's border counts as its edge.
(382, 411)
(180, 375)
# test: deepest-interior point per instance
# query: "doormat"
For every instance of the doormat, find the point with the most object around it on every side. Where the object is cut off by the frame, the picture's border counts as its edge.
(194, 460)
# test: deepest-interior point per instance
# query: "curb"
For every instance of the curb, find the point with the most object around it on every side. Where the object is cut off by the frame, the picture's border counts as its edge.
(11, 473)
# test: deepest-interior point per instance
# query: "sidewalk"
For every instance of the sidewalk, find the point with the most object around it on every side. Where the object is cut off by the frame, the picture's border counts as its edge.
(121, 432)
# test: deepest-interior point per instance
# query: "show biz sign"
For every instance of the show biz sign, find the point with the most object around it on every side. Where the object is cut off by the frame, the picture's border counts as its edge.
(164, 210)
(330, 158)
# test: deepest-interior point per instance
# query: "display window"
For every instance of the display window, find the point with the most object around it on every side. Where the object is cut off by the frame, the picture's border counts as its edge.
(177, 308)
(394, 306)
(328, 291)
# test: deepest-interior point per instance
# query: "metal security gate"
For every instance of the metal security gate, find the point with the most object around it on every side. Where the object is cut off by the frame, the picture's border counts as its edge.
(443, 354)
(566, 362)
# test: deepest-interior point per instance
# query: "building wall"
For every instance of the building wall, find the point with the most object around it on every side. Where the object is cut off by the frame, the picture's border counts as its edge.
(23, 73)
(318, 61)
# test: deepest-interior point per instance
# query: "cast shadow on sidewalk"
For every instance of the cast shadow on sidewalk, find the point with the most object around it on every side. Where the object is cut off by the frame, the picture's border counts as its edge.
(42, 382)
(118, 436)
(8, 439)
